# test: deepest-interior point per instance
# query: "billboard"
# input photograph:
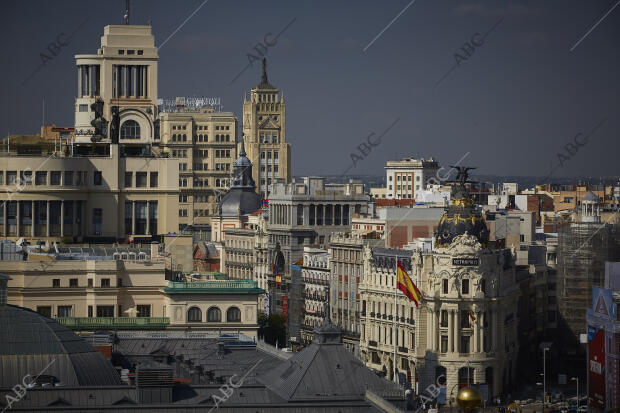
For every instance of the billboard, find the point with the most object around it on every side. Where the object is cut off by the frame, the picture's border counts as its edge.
(596, 367)
(602, 303)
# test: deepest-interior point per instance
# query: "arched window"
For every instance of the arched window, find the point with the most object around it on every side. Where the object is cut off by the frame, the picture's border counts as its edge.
(194, 315)
(233, 315)
(214, 315)
(130, 130)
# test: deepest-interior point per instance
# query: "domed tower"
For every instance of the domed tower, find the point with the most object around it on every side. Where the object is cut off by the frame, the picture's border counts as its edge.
(591, 208)
(461, 216)
(241, 198)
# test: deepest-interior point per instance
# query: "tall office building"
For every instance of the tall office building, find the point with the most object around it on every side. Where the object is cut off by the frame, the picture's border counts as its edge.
(264, 131)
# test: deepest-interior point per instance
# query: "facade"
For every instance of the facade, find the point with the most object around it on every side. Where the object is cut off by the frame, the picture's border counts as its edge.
(465, 328)
(77, 198)
(264, 131)
(408, 176)
(405, 224)
(119, 292)
(204, 142)
(305, 212)
(347, 271)
(315, 277)
(122, 75)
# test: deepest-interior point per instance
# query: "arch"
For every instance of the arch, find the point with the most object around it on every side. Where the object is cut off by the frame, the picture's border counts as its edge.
(130, 129)
(233, 314)
(194, 315)
(465, 374)
(214, 315)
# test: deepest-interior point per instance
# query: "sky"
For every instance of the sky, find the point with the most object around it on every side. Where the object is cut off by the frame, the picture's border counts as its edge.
(527, 88)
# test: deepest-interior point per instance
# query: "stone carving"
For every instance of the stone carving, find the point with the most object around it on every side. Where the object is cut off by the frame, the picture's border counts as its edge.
(464, 244)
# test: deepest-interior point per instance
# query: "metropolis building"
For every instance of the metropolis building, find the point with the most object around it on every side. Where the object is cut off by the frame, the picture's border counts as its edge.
(465, 326)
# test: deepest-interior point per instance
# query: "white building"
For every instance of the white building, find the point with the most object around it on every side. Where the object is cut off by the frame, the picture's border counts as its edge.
(407, 176)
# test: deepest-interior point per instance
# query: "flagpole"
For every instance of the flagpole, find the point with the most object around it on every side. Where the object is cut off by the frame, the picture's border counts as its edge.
(395, 313)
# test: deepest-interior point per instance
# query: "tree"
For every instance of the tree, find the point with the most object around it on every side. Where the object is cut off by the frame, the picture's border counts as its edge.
(272, 329)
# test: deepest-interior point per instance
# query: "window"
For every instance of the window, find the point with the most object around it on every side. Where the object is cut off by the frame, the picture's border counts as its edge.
(84, 108)
(55, 178)
(154, 177)
(464, 344)
(444, 344)
(40, 178)
(105, 282)
(73, 282)
(483, 285)
(97, 221)
(97, 178)
(140, 179)
(233, 315)
(194, 315)
(445, 286)
(44, 310)
(182, 198)
(90, 310)
(444, 318)
(68, 178)
(90, 282)
(214, 315)
(64, 311)
(130, 130)
(144, 310)
(105, 311)
(465, 319)
(128, 179)
(56, 282)
(11, 177)
(465, 287)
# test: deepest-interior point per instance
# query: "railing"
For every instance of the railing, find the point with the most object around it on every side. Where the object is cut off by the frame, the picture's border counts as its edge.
(114, 323)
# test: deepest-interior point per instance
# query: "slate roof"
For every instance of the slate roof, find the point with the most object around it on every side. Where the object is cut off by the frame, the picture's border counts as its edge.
(325, 369)
(29, 342)
(591, 197)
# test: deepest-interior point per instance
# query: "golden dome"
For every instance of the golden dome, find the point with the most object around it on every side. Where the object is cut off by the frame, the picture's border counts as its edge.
(468, 399)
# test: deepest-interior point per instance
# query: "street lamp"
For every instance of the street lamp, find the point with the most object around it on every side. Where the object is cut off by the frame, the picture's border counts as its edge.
(577, 380)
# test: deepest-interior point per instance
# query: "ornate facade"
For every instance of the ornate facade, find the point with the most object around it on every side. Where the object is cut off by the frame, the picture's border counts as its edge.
(465, 328)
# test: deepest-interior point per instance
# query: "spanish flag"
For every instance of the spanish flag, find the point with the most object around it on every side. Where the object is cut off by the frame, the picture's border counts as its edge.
(407, 286)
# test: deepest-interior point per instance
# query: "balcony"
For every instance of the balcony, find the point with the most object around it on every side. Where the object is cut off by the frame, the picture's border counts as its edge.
(114, 323)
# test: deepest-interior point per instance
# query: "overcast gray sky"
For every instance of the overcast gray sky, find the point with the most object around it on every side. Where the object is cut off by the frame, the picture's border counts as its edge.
(513, 103)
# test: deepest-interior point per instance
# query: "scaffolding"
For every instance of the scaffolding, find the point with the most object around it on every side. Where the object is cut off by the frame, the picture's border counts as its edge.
(583, 249)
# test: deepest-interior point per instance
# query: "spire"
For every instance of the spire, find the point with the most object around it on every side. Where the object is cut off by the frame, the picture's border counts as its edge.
(242, 152)
(264, 78)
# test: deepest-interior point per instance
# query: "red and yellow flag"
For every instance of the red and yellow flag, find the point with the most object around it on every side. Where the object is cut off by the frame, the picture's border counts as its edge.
(407, 286)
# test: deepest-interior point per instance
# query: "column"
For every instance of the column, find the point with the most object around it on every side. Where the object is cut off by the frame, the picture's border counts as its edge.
(481, 333)
(62, 218)
(5, 219)
(431, 339)
(47, 222)
(133, 217)
(33, 219)
(474, 346)
(134, 83)
(435, 329)
(19, 217)
(450, 330)
(148, 219)
(324, 213)
(456, 330)
(79, 72)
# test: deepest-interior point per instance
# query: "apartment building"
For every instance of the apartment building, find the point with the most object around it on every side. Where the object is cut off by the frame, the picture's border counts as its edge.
(346, 273)
(406, 177)
(315, 279)
(204, 142)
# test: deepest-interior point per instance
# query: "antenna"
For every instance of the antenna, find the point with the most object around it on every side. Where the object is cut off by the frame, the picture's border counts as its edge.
(126, 16)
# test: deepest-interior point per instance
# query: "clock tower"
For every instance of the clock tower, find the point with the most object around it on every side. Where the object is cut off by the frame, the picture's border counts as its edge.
(264, 132)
